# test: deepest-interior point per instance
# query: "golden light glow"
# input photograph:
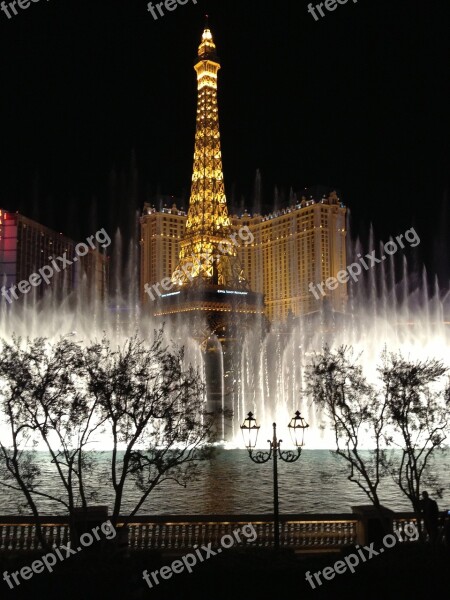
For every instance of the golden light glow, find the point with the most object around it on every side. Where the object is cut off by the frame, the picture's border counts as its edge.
(208, 226)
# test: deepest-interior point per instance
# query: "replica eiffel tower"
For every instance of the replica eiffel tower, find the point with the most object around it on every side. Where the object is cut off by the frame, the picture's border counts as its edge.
(210, 282)
(208, 225)
(211, 293)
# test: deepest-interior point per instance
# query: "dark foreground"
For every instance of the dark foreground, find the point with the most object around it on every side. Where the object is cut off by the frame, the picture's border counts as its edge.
(408, 572)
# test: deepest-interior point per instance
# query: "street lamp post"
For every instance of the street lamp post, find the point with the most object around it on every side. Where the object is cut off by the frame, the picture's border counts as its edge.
(250, 430)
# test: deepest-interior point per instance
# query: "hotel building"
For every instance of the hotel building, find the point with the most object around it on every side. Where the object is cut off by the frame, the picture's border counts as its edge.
(292, 247)
(26, 246)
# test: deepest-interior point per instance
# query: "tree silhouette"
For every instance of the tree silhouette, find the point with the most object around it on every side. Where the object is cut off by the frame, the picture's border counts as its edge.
(62, 395)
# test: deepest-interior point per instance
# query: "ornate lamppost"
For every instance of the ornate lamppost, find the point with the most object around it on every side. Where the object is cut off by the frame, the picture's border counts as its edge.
(250, 430)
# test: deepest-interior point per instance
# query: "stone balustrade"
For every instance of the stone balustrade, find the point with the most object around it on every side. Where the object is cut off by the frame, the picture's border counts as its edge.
(320, 532)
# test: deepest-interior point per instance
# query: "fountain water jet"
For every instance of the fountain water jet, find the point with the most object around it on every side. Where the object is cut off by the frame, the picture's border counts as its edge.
(268, 378)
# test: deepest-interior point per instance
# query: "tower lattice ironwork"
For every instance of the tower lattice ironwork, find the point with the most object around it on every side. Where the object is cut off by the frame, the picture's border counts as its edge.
(207, 255)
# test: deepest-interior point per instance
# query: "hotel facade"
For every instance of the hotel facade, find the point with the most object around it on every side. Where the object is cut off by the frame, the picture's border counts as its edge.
(26, 246)
(293, 247)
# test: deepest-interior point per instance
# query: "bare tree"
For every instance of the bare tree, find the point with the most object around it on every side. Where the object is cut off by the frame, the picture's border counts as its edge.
(406, 413)
(43, 403)
(154, 409)
(418, 415)
(336, 384)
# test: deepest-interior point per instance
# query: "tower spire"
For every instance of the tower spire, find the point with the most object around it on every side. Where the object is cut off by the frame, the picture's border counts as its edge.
(206, 252)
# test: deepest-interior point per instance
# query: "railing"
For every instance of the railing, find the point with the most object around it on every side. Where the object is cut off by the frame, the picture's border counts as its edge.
(178, 533)
(19, 533)
(325, 531)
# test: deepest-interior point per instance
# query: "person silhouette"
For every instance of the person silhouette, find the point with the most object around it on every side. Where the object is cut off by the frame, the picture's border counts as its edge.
(430, 513)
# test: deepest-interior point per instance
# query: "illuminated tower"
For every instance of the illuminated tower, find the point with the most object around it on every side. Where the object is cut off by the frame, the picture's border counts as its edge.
(209, 283)
(206, 255)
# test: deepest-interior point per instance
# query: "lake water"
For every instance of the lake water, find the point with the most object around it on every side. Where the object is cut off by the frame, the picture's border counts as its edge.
(233, 484)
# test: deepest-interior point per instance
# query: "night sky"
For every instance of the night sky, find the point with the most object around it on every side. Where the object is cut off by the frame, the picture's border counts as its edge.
(357, 101)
